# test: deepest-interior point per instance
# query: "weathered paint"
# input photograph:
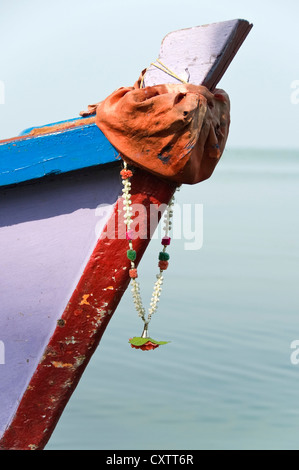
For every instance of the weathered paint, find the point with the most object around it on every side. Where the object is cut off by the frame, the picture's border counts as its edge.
(80, 327)
(58, 126)
(53, 149)
(47, 234)
(199, 55)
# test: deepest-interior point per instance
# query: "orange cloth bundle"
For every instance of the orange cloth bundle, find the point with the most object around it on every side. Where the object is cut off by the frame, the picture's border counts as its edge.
(177, 132)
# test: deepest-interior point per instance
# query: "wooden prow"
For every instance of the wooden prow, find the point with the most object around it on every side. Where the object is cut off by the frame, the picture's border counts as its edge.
(199, 55)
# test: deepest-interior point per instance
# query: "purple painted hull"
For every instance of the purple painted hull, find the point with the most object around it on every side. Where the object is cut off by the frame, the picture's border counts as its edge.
(47, 233)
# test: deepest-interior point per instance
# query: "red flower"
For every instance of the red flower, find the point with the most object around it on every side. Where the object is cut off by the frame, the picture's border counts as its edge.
(163, 264)
(146, 347)
(145, 344)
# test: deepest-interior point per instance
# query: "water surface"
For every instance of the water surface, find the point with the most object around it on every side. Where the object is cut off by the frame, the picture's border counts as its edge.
(231, 311)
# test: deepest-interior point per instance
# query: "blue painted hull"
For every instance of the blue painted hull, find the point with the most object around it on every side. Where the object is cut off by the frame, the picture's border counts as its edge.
(29, 157)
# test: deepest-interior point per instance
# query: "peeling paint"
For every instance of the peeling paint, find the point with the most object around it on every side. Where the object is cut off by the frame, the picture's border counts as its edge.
(61, 365)
(32, 446)
(101, 311)
(84, 299)
(68, 384)
(70, 340)
(79, 360)
(54, 399)
(97, 323)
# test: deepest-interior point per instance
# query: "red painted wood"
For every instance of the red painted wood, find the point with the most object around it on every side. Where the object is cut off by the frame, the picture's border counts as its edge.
(81, 327)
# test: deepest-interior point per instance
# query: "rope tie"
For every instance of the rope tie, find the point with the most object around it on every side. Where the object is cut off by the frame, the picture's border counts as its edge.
(164, 69)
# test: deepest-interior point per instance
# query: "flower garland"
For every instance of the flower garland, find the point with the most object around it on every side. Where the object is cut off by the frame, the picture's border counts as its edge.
(144, 342)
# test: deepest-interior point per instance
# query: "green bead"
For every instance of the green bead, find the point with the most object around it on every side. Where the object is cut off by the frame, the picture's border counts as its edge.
(163, 256)
(131, 254)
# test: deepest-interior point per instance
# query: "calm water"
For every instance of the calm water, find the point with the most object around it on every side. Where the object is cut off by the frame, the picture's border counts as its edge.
(231, 311)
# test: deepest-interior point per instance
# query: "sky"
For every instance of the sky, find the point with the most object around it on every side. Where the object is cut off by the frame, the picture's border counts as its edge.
(59, 56)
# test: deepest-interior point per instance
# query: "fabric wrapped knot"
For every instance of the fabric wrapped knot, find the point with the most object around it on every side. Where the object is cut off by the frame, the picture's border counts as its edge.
(175, 131)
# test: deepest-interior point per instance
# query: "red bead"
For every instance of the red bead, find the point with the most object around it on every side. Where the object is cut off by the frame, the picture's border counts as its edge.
(133, 273)
(130, 235)
(166, 241)
(163, 265)
(126, 174)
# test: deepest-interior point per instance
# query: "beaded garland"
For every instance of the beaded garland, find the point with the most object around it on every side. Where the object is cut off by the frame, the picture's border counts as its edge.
(144, 342)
